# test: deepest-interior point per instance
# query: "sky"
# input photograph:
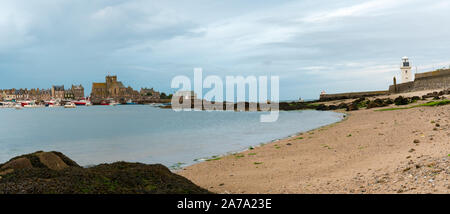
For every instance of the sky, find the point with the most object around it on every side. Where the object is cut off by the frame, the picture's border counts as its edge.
(335, 46)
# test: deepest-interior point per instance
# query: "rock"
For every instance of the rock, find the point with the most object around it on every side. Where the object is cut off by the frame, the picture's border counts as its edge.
(54, 173)
(8, 171)
(352, 107)
(401, 101)
(19, 163)
(322, 107)
(416, 141)
(51, 161)
(342, 106)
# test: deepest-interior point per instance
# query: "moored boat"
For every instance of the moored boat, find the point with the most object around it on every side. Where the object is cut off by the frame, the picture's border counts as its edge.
(80, 103)
(70, 105)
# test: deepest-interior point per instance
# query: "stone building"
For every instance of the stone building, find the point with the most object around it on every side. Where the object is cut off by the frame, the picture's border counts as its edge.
(112, 89)
(78, 92)
(25, 94)
(150, 94)
(58, 92)
(69, 95)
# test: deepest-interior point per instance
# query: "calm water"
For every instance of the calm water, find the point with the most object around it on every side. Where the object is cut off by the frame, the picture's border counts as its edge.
(104, 134)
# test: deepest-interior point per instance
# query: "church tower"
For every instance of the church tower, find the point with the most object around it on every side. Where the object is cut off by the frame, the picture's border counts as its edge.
(407, 75)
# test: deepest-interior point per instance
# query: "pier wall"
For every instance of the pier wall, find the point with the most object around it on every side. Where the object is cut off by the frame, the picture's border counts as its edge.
(439, 79)
(351, 95)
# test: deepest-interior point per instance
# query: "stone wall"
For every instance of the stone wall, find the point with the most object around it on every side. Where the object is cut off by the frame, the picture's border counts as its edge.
(439, 79)
(401, 88)
(351, 95)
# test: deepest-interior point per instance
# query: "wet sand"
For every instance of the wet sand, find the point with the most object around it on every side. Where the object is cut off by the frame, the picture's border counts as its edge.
(402, 151)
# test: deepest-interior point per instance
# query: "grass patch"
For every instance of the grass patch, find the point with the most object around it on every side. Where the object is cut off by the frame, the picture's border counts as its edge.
(436, 103)
(349, 135)
(251, 148)
(258, 163)
(214, 158)
(432, 103)
(239, 156)
(252, 154)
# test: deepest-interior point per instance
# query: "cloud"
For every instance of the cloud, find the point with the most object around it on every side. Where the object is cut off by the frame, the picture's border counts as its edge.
(313, 46)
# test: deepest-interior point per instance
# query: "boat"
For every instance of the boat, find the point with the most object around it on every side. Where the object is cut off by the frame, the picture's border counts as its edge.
(109, 102)
(31, 104)
(104, 103)
(130, 102)
(70, 105)
(80, 103)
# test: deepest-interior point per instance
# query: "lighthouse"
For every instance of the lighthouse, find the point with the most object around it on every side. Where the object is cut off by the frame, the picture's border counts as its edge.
(406, 70)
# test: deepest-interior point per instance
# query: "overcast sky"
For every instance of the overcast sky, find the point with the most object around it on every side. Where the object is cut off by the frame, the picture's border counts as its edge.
(336, 46)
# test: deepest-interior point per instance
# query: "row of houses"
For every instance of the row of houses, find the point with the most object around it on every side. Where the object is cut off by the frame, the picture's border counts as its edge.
(111, 89)
(76, 92)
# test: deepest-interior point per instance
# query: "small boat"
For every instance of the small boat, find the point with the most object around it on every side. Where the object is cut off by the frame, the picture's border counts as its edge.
(31, 104)
(112, 103)
(130, 102)
(18, 107)
(108, 102)
(104, 103)
(82, 103)
(70, 105)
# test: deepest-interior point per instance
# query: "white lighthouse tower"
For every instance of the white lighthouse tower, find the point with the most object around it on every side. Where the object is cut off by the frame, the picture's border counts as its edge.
(407, 75)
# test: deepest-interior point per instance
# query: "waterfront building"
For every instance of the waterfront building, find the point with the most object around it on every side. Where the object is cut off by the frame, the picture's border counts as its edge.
(112, 89)
(150, 94)
(78, 92)
(58, 92)
(25, 94)
(68, 94)
(10, 94)
(2, 95)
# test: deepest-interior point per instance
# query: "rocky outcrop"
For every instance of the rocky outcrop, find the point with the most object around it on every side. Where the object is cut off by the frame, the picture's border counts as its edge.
(54, 173)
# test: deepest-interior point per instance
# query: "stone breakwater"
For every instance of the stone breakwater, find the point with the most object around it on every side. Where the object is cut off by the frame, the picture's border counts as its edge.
(374, 102)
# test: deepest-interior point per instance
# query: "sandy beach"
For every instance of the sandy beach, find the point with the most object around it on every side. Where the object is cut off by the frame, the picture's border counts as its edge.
(401, 151)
